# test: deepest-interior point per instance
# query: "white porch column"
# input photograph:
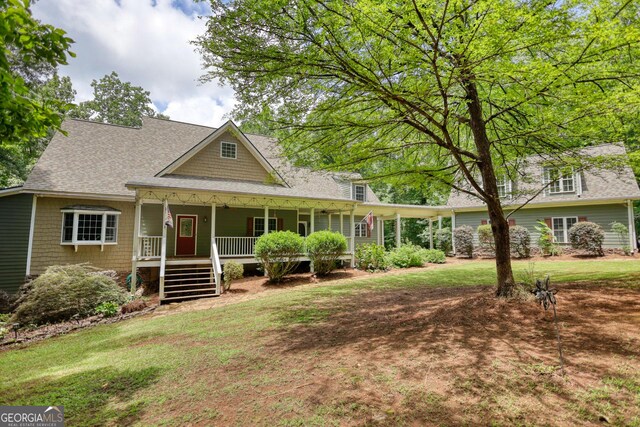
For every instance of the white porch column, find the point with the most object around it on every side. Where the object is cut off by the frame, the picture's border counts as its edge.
(439, 222)
(341, 223)
(213, 221)
(453, 227)
(352, 227)
(136, 241)
(163, 245)
(430, 233)
(312, 220)
(398, 231)
(329, 221)
(266, 220)
(632, 226)
(382, 231)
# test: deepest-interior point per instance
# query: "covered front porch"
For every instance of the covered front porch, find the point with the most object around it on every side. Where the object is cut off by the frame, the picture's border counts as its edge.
(182, 232)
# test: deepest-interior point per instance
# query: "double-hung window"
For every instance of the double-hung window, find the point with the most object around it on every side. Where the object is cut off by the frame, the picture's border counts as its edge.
(359, 193)
(89, 225)
(504, 187)
(561, 228)
(560, 180)
(361, 229)
(258, 226)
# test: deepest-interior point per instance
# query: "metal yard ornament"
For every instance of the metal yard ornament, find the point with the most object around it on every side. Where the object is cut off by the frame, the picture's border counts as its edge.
(547, 298)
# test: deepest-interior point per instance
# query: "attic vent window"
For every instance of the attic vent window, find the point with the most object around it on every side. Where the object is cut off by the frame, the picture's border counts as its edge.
(359, 193)
(228, 150)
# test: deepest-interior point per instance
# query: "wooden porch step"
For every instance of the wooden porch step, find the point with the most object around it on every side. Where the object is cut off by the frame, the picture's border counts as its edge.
(187, 277)
(187, 285)
(188, 297)
(181, 268)
(182, 291)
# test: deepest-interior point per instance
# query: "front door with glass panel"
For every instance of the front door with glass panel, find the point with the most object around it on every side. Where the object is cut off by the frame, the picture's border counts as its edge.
(186, 234)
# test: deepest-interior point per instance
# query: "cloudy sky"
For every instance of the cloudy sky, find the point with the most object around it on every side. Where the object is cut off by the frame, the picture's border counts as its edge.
(147, 43)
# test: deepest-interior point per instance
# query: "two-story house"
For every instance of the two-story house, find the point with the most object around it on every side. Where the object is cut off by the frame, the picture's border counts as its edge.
(175, 199)
(562, 197)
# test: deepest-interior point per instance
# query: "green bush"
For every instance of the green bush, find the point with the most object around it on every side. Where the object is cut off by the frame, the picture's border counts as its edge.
(371, 257)
(463, 237)
(587, 236)
(325, 249)
(107, 309)
(63, 292)
(485, 239)
(406, 256)
(520, 241)
(232, 271)
(546, 241)
(433, 256)
(279, 252)
(442, 240)
(623, 233)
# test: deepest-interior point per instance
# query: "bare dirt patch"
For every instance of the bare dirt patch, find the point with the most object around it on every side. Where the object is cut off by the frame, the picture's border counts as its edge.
(451, 356)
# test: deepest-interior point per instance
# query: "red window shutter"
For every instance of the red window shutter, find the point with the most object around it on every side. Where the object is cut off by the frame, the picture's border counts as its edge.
(483, 222)
(512, 222)
(548, 222)
(582, 219)
(280, 224)
(250, 226)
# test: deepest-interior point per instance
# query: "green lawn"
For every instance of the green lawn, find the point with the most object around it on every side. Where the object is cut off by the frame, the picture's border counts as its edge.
(198, 367)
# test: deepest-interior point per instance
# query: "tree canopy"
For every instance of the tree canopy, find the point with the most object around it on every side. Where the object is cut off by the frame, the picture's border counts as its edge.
(28, 49)
(446, 92)
(116, 102)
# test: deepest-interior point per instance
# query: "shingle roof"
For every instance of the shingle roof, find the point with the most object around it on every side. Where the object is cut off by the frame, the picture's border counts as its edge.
(97, 158)
(597, 184)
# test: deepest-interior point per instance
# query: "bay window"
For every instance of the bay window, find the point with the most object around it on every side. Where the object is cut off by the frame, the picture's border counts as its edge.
(89, 225)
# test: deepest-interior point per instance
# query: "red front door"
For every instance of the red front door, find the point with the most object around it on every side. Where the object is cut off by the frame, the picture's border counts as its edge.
(186, 234)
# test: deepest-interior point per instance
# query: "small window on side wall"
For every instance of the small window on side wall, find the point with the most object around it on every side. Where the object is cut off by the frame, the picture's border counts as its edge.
(228, 150)
(360, 193)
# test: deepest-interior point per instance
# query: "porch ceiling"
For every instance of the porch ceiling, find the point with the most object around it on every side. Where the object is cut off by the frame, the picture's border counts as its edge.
(389, 211)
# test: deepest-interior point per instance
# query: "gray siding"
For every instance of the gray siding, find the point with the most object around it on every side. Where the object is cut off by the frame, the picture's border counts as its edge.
(603, 215)
(322, 223)
(15, 220)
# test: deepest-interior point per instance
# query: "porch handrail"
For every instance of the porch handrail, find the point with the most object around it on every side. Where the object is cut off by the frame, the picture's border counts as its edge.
(215, 264)
(236, 246)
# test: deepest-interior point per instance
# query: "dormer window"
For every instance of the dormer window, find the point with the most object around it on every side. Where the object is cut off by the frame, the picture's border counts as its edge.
(561, 180)
(359, 193)
(228, 150)
(504, 187)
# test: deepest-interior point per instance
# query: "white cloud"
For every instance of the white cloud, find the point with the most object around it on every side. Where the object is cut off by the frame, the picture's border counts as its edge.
(146, 43)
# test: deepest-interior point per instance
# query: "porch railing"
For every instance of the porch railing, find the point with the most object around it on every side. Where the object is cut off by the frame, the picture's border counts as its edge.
(149, 246)
(236, 246)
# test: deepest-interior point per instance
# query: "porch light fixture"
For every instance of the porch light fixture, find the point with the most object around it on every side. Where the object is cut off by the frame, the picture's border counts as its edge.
(205, 219)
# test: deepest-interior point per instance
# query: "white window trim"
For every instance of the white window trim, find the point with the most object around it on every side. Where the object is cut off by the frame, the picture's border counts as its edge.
(235, 150)
(564, 226)
(548, 183)
(360, 229)
(507, 184)
(74, 237)
(364, 192)
(270, 229)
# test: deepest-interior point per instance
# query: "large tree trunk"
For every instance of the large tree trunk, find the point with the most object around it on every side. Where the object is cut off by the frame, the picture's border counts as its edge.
(499, 224)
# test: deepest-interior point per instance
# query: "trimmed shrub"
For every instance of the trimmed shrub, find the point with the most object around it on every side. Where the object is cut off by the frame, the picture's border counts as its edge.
(279, 252)
(442, 240)
(232, 271)
(324, 249)
(520, 240)
(485, 239)
(587, 236)
(546, 241)
(63, 292)
(406, 256)
(371, 257)
(433, 256)
(463, 237)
